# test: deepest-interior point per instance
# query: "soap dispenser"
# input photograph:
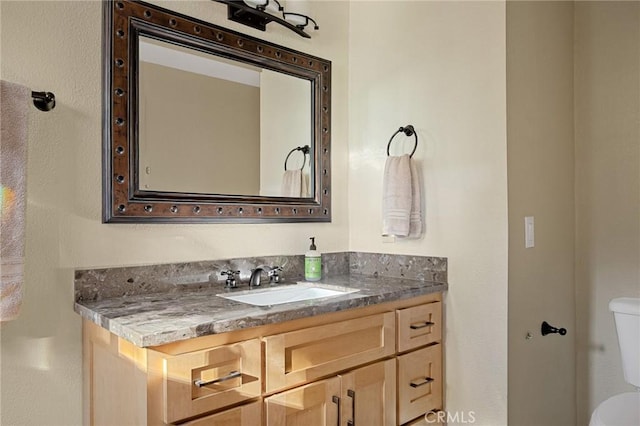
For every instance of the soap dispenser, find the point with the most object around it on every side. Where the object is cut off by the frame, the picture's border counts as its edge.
(312, 263)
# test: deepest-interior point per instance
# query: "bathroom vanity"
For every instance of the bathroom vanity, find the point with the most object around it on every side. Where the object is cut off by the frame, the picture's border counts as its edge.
(164, 344)
(368, 357)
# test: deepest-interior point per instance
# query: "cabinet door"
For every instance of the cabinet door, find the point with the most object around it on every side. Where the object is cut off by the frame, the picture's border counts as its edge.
(197, 382)
(300, 356)
(369, 395)
(316, 404)
(419, 382)
(245, 415)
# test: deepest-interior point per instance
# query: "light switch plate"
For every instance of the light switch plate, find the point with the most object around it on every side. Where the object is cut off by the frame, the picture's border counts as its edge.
(529, 234)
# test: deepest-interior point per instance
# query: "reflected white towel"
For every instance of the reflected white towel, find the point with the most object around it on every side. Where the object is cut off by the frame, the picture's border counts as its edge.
(292, 183)
(396, 196)
(305, 191)
(14, 110)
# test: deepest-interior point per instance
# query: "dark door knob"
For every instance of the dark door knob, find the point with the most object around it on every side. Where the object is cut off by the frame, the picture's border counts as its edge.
(549, 329)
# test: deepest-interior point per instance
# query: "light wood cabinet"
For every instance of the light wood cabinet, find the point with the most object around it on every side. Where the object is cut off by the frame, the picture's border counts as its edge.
(419, 326)
(300, 356)
(201, 381)
(419, 382)
(430, 419)
(245, 415)
(368, 395)
(128, 385)
(317, 403)
(375, 366)
(365, 396)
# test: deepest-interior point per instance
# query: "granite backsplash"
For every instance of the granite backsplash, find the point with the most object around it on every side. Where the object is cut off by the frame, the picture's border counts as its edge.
(107, 283)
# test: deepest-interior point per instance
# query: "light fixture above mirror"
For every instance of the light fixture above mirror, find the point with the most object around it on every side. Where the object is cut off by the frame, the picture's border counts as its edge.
(271, 6)
(258, 13)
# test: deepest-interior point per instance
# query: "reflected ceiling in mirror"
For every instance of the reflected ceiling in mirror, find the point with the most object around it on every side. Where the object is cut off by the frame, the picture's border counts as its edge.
(204, 124)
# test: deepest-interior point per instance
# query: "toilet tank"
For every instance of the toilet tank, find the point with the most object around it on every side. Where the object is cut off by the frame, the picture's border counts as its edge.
(626, 312)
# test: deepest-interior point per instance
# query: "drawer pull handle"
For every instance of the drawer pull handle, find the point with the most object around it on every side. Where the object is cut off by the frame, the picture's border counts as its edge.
(352, 394)
(422, 383)
(336, 400)
(421, 325)
(199, 383)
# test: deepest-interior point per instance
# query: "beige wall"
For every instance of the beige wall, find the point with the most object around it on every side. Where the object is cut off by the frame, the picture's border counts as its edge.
(56, 46)
(441, 67)
(540, 159)
(607, 107)
(198, 133)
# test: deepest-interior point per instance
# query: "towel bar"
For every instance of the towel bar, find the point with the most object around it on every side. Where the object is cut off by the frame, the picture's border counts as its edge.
(409, 131)
(44, 101)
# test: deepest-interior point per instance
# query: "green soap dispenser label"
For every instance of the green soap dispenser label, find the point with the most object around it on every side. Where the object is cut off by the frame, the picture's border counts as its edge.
(312, 268)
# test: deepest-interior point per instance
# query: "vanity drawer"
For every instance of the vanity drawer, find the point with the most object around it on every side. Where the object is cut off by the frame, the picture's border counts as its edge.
(419, 326)
(301, 356)
(419, 382)
(197, 382)
(245, 415)
(430, 419)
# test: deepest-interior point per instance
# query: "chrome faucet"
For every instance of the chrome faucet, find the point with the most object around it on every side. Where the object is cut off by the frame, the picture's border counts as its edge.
(272, 273)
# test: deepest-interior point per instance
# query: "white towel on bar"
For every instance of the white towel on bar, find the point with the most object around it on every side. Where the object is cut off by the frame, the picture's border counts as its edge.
(292, 183)
(396, 196)
(401, 198)
(415, 217)
(14, 110)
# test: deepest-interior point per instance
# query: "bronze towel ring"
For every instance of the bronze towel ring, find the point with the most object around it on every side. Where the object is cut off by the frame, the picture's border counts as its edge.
(409, 131)
(305, 150)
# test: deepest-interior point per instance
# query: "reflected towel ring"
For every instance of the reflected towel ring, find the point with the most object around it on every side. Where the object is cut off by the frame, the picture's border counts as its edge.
(305, 150)
(409, 131)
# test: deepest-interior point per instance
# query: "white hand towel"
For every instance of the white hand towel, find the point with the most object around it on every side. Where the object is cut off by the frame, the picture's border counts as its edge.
(292, 183)
(14, 110)
(396, 196)
(415, 217)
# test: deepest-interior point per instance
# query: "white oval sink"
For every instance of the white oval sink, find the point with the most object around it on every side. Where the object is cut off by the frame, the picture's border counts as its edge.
(286, 294)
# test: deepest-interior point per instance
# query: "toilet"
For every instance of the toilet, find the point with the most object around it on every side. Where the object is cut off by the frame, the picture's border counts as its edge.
(624, 409)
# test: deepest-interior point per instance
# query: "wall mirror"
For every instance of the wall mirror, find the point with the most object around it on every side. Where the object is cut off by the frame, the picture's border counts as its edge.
(204, 124)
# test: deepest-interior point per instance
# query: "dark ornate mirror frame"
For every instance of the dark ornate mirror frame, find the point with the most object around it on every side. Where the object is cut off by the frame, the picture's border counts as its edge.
(123, 200)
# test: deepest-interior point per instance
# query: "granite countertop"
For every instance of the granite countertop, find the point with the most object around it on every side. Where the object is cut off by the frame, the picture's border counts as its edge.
(160, 318)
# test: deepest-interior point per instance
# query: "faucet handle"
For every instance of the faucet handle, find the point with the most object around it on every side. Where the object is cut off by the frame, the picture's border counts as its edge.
(231, 278)
(273, 274)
